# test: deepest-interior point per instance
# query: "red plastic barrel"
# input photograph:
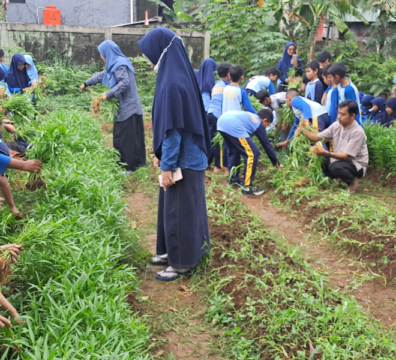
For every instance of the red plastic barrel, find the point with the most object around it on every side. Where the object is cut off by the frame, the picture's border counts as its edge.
(52, 16)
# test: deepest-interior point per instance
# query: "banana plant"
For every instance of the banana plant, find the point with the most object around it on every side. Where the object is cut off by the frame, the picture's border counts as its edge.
(309, 14)
(313, 11)
(179, 11)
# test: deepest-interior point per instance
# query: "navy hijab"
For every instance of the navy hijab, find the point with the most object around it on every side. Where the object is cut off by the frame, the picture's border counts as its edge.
(177, 100)
(386, 119)
(114, 59)
(380, 102)
(15, 78)
(205, 76)
(366, 101)
(285, 63)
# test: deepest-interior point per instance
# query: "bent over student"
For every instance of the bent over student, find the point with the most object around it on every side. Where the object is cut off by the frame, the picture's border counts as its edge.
(128, 133)
(237, 127)
(305, 109)
(349, 160)
(181, 143)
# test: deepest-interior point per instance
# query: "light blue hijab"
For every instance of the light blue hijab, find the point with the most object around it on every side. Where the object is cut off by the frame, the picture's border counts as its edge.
(32, 72)
(114, 59)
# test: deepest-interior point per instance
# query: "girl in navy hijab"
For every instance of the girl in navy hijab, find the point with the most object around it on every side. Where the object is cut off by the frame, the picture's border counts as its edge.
(128, 131)
(286, 63)
(17, 77)
(378, 109)
(390, 113)
(181, 143)
(366, 107)
(206, 80)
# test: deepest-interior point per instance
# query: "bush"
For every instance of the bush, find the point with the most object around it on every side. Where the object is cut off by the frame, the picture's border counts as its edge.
(242, 33)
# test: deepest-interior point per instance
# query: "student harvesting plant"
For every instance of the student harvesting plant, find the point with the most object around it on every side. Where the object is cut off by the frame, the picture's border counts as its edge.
(128, 128)
(14, 151)
(237, 127)
(263, 82)
(17, 77)
(305, 109)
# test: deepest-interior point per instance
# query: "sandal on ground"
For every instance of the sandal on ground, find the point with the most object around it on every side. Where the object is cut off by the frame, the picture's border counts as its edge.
(170, 274)
(160, 260)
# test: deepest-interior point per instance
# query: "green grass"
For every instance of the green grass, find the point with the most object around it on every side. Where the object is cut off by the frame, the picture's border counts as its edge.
(270, 302)
(73, 296)
(381, 144)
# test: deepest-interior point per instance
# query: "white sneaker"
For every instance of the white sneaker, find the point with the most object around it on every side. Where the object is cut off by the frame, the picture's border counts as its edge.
(248, 190)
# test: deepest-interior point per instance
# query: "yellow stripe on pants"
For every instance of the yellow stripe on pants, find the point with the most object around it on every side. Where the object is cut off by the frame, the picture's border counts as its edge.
(315, 124)
(249, 165)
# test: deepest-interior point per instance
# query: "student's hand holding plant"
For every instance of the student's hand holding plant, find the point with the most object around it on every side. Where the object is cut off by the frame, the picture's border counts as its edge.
(32, 166)
(4, 321)
(104, 97)
(82, 88)
(283, 144)
(318, 150)
(15, 250)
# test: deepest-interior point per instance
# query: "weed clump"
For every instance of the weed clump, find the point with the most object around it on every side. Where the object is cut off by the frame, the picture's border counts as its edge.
(96, 105)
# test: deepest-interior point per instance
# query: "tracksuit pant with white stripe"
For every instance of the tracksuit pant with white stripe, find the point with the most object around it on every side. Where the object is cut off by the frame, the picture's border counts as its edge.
(250, 153)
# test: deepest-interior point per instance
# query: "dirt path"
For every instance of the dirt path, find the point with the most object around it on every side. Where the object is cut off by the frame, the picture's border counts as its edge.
(175, 313)
(378, 300)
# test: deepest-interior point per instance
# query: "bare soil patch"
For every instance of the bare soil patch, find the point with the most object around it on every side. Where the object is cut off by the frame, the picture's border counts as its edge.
(175, 313)
(378, 300)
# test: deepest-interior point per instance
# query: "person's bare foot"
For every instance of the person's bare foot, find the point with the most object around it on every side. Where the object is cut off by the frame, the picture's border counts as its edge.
(355, 185)
(218, 170)
(339, 180)
(226, 172)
